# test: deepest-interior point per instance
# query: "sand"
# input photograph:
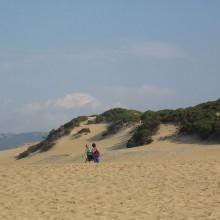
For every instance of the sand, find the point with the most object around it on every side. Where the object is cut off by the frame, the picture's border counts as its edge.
(173, 178)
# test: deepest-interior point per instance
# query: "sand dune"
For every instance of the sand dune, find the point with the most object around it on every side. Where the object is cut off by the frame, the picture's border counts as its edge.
(173, 178)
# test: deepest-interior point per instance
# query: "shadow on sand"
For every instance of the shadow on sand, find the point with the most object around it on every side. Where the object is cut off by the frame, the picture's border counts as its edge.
(179, 138)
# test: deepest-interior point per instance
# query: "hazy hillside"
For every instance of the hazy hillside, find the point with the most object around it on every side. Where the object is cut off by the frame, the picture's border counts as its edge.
(11, 140)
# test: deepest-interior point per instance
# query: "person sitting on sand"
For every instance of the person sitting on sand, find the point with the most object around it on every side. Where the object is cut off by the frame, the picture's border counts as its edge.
(88, 154)
(96, 154)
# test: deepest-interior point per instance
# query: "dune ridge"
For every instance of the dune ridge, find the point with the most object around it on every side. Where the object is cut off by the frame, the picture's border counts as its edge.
(70, 149)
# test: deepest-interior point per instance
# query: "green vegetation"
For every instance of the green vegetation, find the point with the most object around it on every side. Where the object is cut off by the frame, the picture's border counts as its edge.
(143, 134)
(114, 128)
(171, 116)
(201, 120)
(119, 118)
(216, 132)
(119, 114)
(84, 131)
(198, 121)
(90, 122)
(141, 137)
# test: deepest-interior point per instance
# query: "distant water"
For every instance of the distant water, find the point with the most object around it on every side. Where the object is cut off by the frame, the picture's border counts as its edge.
(10, 140)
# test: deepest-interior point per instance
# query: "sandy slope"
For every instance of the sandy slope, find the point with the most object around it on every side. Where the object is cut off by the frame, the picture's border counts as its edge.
(71, 148)
(173, 178)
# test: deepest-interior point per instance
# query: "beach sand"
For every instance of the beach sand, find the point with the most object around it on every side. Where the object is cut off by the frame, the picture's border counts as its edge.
(173, 178)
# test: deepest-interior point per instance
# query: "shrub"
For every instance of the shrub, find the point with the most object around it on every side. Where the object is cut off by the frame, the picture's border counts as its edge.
(84, 131)
(143, 135)
(22, 155)
(171, 116)
(140, 137)
(150, 120)
(91, 122)
(118, 117)
(114, 128)
(204, 128)
(216, 131)
(119, 114)
(99, 119)
(198, 121)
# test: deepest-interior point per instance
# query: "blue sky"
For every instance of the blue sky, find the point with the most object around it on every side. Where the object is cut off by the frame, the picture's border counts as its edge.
(59, 59)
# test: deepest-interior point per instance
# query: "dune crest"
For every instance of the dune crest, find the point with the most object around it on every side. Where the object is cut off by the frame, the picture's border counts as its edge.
(70, 149)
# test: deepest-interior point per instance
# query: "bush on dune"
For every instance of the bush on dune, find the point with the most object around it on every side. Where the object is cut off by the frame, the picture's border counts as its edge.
(216, 133)
(143, 134)
(84, 131)
(150, 120)
(119, 118)
(119, 114)
(114, 128)
(200, 120)
(171, 116)
(53, 136)
(90, 122)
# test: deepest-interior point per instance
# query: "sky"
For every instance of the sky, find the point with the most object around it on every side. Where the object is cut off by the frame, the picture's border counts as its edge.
(61, 59)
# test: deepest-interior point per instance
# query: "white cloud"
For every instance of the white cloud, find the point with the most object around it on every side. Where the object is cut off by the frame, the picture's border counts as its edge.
(107, 97)
(52, 113)
(68, 102)
(74, 100)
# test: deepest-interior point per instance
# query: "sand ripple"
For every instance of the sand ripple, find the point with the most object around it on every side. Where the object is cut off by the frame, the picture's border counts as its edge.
(147, 190)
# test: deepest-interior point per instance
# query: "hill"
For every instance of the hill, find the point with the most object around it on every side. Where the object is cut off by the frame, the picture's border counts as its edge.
(11, 140)
(202, 120)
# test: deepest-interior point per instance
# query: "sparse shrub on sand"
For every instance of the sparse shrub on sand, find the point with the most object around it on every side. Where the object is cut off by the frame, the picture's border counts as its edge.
(119, 118)
(84, 131)
(141, 137)
(22, 155)
(114, 128)
(143, 134)
(53, 136)
(90, 122)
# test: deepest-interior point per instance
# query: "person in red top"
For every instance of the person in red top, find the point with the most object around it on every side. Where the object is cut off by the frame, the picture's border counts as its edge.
(96, 154)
